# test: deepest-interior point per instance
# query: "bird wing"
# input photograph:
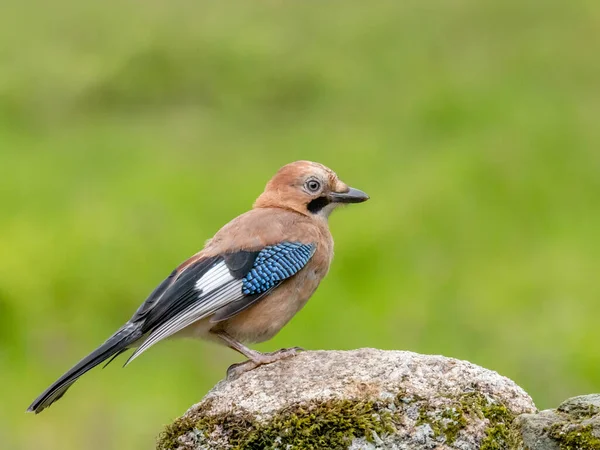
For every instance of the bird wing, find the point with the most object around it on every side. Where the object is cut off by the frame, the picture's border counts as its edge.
(221, 286)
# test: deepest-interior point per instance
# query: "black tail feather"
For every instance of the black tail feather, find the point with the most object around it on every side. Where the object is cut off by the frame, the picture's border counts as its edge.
(113, 346)
(114, 357)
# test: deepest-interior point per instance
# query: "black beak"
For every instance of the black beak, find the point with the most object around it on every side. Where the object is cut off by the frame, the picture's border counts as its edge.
(351, 196)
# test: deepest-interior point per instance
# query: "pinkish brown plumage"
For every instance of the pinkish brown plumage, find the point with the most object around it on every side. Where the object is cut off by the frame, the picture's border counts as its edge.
(247, 282)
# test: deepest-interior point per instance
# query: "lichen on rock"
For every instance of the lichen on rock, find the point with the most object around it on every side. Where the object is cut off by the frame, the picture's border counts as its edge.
(358, 400)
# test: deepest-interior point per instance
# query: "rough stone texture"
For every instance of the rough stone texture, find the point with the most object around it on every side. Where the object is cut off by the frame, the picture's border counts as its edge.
(361, 399)
(574, 425)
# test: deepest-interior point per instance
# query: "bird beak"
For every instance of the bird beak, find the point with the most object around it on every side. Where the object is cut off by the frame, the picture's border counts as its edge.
(350, 196)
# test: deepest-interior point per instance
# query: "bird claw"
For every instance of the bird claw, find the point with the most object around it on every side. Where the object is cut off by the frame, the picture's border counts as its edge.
(235, 370)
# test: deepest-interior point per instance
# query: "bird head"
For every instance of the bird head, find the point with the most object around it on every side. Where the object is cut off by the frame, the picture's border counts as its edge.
(308, 188)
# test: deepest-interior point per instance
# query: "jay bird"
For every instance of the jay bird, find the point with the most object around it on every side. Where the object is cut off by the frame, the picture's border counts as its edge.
(250, 279)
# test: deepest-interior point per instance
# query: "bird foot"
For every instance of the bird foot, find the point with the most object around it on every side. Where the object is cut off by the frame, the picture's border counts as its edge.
(261, 359)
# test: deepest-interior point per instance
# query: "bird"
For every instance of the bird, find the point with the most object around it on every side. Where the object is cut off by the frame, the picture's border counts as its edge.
(247, 282)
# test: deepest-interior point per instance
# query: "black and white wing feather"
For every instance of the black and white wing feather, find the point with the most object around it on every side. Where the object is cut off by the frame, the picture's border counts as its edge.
(220, 287)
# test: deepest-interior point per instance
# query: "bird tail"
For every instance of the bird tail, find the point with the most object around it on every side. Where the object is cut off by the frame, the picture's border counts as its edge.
(116, 344)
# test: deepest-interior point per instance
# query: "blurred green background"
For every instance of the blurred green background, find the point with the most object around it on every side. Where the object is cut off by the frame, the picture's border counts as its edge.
(130, 131)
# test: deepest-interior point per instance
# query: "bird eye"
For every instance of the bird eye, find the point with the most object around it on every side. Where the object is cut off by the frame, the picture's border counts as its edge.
(313, 185)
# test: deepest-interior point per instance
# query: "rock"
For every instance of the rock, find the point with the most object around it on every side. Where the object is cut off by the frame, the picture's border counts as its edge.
(532, 428)
(361, 399)
(574, 425)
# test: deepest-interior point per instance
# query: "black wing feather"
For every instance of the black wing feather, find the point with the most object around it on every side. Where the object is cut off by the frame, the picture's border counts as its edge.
(178, 293)
(177, 296)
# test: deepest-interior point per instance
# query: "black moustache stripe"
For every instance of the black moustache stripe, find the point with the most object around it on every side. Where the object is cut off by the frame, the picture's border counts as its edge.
(316, 205)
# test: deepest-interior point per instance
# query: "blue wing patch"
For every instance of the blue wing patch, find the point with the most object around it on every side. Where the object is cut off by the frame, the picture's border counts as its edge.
(274, 264)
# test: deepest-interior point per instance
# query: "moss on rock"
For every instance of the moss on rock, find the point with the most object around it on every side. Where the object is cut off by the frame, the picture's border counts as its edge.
(334, 423)
(329, 424)
(169, 438)
(445, 424)
(574, 436)
(574, 425)
(501, 434)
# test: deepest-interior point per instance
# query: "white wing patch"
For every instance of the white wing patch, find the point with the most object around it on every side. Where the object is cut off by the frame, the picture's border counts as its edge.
(213, 279)
(216, 288)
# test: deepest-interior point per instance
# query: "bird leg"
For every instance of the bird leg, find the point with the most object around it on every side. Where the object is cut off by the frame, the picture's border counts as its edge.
(255, 358)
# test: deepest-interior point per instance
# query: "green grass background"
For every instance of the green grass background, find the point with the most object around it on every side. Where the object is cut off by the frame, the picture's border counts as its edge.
(130, 131)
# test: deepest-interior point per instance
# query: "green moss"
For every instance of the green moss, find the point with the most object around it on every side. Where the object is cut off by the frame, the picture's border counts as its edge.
(326, 424)
(333, 424)
(572, 436)
(456, 421)
(500, 434)
(168, 439)
(446, 423)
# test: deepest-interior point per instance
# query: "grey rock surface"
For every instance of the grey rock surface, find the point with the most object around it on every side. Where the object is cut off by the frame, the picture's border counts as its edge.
(533, 430)
(360, 399)
(575, 424)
